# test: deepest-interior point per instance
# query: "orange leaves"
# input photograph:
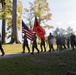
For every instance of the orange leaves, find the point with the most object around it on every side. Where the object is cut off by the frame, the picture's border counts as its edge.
(48, 26)
(47, 17)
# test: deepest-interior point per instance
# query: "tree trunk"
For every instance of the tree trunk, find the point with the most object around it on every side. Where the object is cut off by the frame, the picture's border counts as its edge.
(14, 37)
(3, 31)
(3, 24)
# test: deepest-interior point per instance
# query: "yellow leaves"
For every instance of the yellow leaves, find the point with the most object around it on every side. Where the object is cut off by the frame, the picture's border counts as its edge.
(47, 17)
(19, 7)
(19, 13)
(49, 14)
(40, 12)
(6, 1)
(36, 13)
(41, 9)
(48, 26)
(7, 12)
(8, 4)
(46, 5)
(36, 2)
(9, 20)
(19, 21)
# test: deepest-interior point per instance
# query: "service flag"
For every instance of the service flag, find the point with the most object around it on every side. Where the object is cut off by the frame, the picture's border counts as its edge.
(38, 29)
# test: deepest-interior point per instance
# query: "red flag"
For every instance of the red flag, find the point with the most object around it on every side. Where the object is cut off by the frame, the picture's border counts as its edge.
(29, 33)
(38, 29)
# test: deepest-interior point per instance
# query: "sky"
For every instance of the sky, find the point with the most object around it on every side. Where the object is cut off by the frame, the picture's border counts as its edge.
(63, 13)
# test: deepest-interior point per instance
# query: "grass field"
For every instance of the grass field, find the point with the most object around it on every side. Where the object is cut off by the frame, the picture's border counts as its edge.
(38, 64)
(12, 48)
(15, 48)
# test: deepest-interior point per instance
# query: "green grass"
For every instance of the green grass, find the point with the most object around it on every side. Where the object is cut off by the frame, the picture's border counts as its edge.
(38, 64)
(12, 48)
(15, 48)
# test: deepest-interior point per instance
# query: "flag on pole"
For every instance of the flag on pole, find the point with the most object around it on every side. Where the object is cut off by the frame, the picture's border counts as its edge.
(38, 29)
(29, 32)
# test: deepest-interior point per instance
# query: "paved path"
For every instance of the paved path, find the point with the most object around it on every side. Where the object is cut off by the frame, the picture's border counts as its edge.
(13, 55)
(23, 54)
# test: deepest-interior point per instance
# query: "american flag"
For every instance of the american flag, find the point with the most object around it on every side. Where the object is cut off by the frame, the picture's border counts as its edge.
(29, 32)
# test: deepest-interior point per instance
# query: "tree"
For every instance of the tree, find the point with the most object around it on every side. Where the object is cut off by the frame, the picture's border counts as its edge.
(69, 30)
(5, 13)
(15, 21)
(62, 31)
(3, 21)
(7, 16)
(41, 9)
(29, 15)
